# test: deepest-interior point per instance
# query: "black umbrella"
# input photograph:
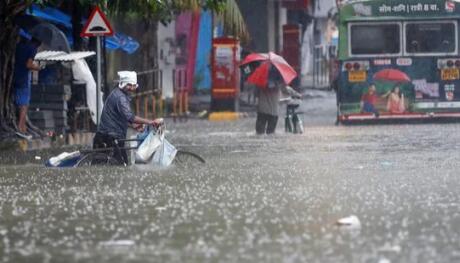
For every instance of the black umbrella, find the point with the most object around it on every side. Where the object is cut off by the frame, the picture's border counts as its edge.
(51, 37)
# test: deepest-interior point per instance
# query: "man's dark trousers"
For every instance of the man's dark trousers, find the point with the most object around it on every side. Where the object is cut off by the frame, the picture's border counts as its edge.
(266, 123)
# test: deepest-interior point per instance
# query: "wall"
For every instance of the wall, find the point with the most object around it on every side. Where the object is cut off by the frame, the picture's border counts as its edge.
(256, 20)
(167, 56)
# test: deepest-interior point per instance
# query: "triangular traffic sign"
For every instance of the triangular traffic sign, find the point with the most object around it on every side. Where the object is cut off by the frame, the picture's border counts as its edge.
(97, 25)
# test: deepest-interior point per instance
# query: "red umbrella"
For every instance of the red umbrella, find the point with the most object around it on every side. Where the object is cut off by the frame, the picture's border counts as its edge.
(391, 75)
(260, 75)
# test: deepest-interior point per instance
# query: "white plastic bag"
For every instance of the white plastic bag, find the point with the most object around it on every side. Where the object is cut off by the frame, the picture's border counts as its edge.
(57, 160)
(148, 147)
(164, 155)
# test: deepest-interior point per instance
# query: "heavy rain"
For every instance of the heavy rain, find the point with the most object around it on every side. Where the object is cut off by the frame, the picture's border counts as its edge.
(257, 199)
(327, 128)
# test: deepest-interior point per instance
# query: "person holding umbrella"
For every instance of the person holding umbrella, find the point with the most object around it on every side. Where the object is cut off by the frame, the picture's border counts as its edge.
(268, 103)
(395, 102)
(271, 75)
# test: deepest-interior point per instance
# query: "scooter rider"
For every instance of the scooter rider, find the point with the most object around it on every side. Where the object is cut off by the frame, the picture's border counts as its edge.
(117, 115)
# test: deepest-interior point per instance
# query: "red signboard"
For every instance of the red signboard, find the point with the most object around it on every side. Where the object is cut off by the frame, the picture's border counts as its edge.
(291, 45)
(225, 68)
(97, 25)
(296, 4)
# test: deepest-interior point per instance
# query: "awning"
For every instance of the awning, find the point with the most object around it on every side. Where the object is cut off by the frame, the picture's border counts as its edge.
(62, 56)
(53, 15)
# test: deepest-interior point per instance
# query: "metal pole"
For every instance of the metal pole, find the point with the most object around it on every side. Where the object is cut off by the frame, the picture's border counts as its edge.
(99, 77)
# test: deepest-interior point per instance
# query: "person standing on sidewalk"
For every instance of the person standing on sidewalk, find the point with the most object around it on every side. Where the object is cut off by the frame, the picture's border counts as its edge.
(117, 115)
(268, 103)
(24, 65)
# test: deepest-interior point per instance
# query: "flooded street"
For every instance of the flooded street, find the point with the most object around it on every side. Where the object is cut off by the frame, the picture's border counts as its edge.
(257, 199)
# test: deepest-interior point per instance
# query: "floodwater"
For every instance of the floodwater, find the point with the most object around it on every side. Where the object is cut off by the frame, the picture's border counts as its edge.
(258, 198)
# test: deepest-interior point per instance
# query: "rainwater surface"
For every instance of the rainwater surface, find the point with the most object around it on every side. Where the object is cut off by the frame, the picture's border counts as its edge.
(257, 199)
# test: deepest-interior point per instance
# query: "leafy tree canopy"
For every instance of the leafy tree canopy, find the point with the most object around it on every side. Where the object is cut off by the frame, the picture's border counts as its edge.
(164, 10)
(157, 9)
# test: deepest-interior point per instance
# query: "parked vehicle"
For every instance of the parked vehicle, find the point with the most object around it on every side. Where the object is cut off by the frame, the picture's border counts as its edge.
(408, 50)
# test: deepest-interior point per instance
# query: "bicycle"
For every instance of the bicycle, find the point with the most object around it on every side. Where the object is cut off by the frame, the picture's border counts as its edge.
(292, 122)
(106, 156)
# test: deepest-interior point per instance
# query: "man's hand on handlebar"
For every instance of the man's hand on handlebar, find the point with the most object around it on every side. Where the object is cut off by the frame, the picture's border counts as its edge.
(157, 122)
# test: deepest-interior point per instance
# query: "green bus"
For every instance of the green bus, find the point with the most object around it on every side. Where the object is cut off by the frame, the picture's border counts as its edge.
(398, 60)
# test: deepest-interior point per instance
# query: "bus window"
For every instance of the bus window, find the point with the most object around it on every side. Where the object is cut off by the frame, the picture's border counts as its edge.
(430, 37)
(375, 39)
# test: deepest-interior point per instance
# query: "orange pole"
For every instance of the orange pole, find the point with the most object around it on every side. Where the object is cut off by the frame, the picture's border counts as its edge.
(186, 102)
(181, 94)
(175, 102)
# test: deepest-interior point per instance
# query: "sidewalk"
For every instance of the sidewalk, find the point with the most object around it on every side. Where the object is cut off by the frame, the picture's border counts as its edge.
(199, 106)
(202, 102)
(247, 101)
(308, 82)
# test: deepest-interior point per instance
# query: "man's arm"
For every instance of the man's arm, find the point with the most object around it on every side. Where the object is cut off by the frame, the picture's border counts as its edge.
(287, 89)
(386, 94)
(125, 109)
(139, 120)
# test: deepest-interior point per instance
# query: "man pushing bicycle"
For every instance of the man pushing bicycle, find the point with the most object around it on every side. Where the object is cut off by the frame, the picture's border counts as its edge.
(117, 116)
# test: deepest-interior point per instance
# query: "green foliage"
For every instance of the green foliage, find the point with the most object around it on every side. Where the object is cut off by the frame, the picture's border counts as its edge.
(162, 10)
(227, 11)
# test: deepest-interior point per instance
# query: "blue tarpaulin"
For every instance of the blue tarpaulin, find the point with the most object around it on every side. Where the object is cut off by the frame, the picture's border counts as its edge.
(202, 69)
(53, 15)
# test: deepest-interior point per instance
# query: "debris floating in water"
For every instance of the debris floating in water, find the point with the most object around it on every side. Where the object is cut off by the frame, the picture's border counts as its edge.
(350, 221)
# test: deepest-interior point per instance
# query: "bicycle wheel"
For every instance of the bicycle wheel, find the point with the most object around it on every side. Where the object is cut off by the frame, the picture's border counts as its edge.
(186, 158)
(287, 124)
(298, 124)
(96, 159)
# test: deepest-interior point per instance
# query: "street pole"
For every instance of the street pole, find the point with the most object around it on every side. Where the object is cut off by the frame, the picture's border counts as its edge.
(99, 77)
(97, 26)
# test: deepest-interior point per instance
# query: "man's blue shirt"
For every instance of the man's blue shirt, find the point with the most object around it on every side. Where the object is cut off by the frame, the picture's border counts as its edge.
(116, 114)
(24, 52)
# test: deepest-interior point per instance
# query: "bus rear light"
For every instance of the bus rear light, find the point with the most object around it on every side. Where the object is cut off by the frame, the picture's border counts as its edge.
(448, 63)
(348, 66)
(356, 66)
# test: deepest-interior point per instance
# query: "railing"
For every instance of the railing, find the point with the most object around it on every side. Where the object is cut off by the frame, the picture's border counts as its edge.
(322, 58)
(148, 100)
(181, 94)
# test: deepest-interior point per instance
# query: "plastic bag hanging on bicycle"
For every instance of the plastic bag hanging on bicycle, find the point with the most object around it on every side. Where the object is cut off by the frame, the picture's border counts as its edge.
(164, 155)
(148, 147)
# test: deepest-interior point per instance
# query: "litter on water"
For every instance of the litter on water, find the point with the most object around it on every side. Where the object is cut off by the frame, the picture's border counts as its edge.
(350, 221)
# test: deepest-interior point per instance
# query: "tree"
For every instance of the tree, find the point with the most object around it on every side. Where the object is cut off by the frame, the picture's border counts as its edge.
(153, 10)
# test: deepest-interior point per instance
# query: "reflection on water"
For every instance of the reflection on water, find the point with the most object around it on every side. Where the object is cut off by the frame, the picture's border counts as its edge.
(258, 199)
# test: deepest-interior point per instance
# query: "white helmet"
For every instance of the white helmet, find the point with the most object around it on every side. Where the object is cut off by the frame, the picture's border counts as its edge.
(127, 77)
